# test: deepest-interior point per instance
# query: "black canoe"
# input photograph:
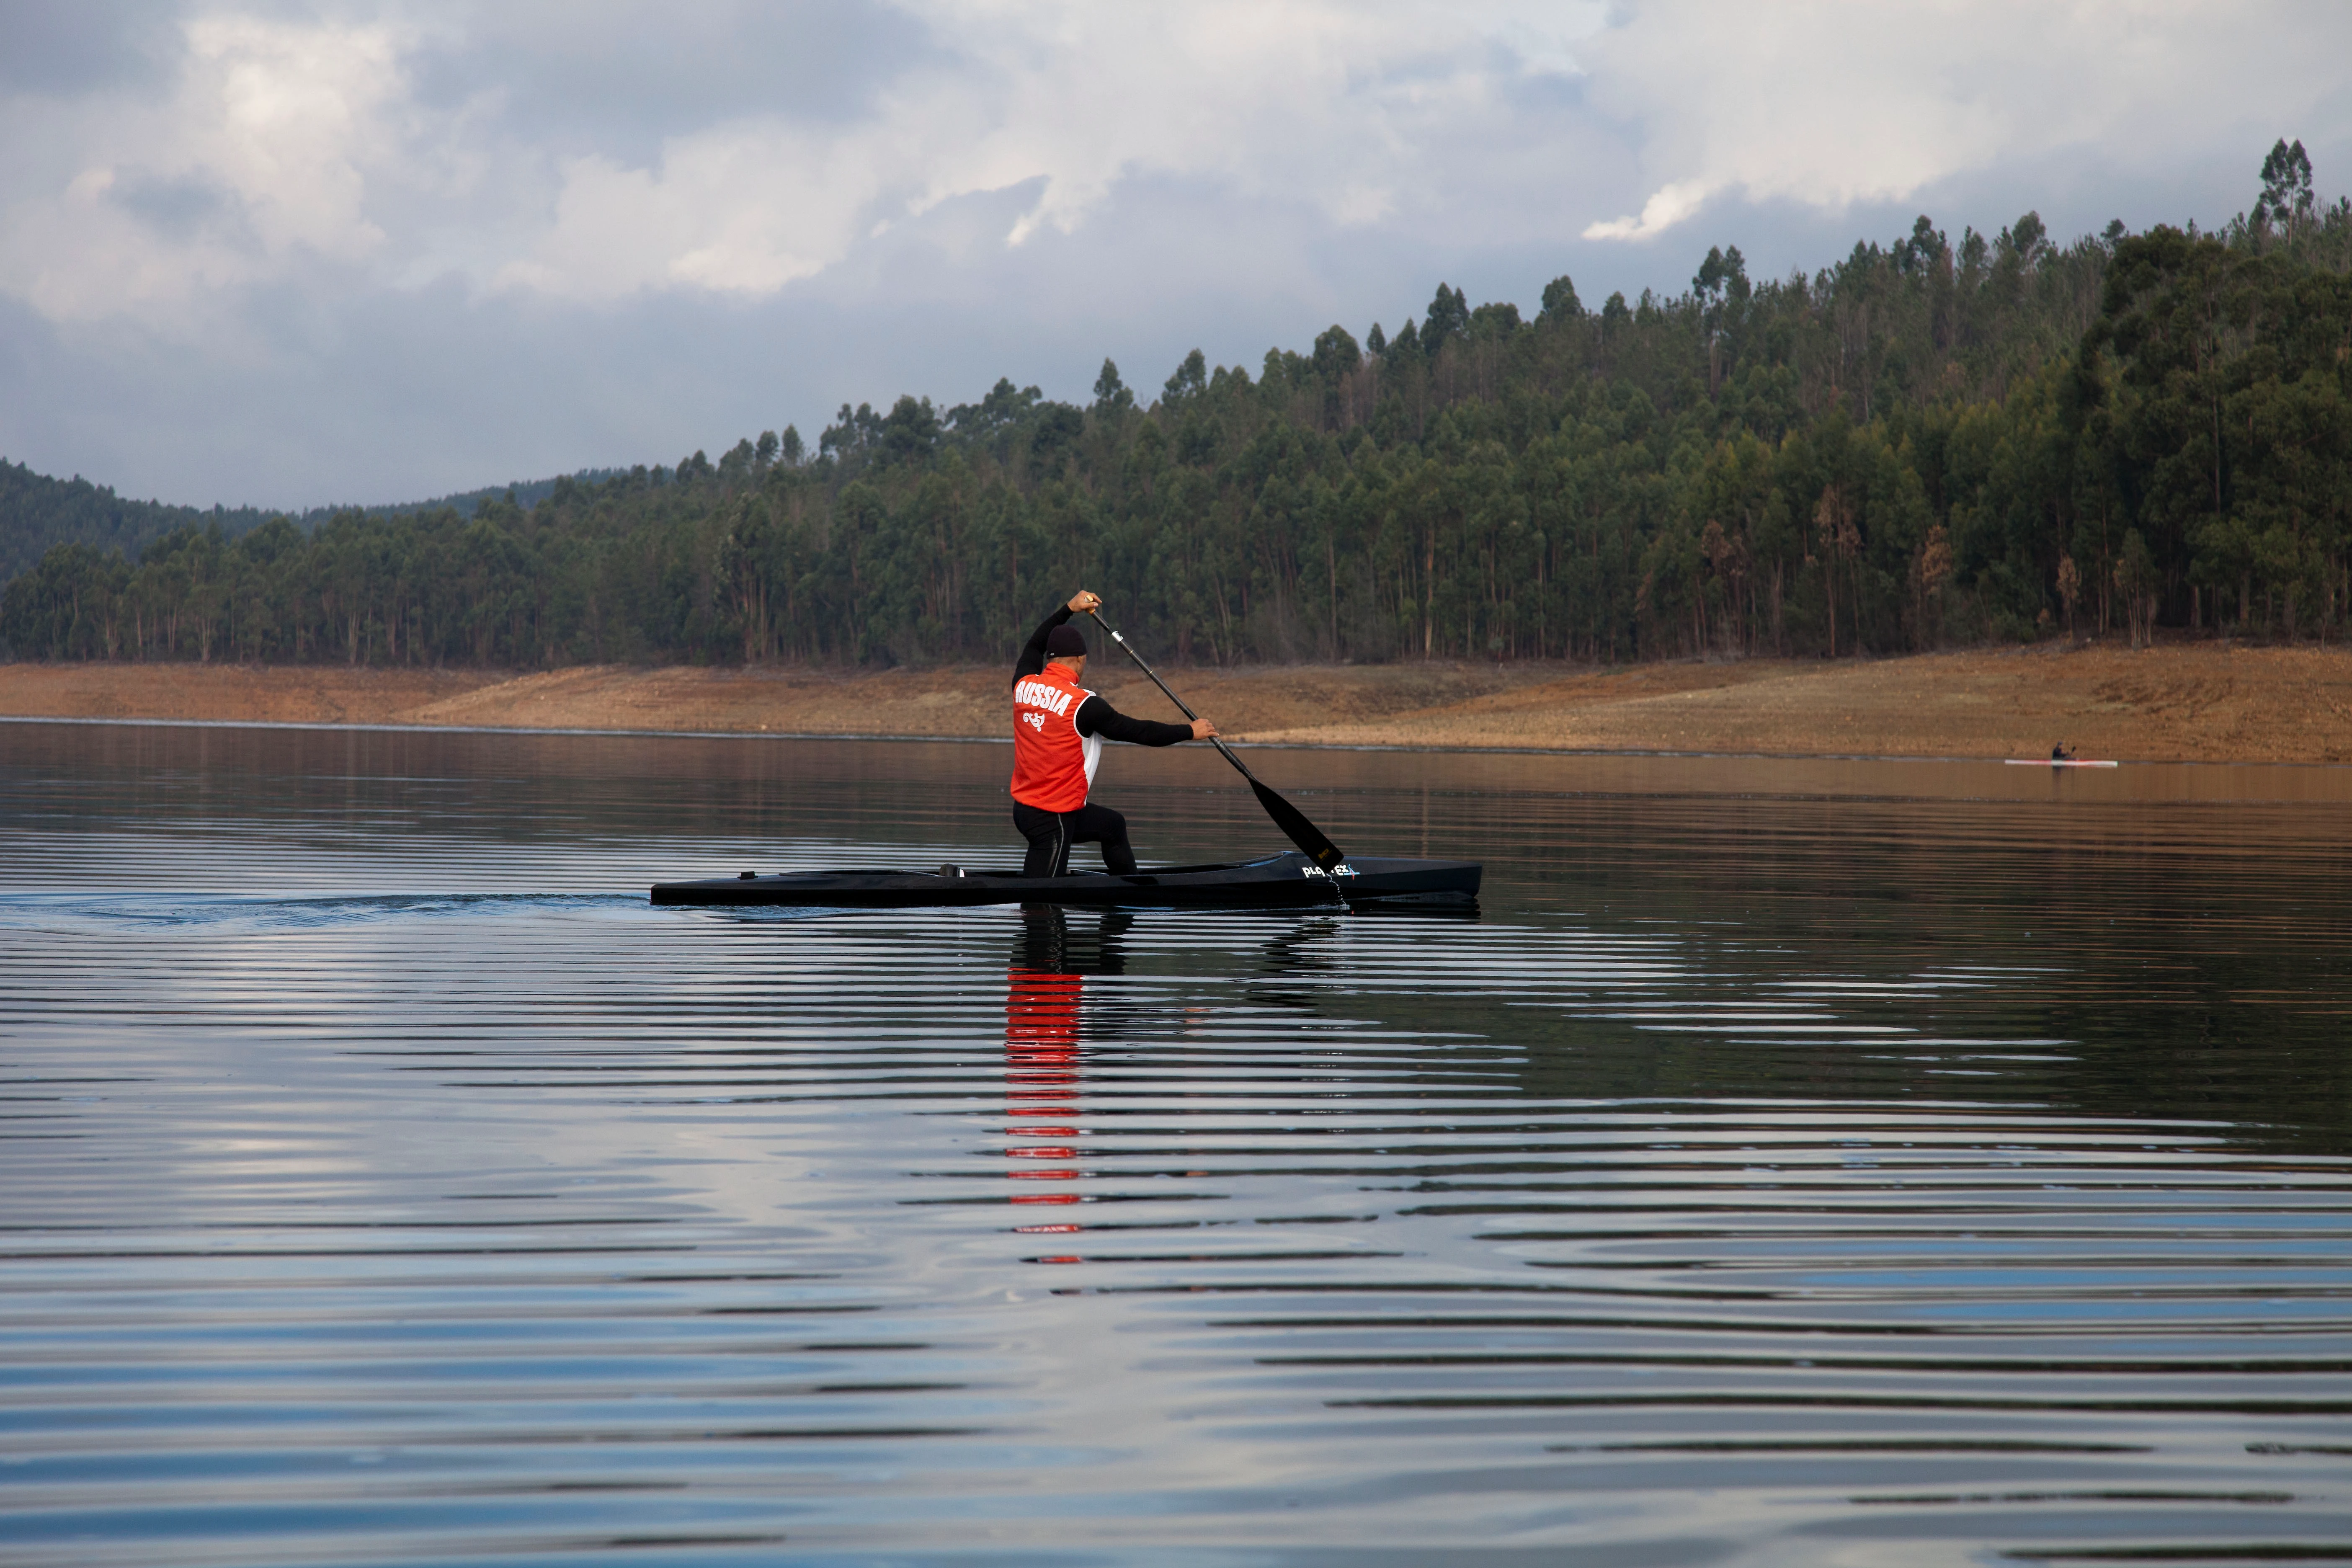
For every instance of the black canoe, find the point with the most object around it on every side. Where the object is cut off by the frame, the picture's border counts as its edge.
(1277, 882)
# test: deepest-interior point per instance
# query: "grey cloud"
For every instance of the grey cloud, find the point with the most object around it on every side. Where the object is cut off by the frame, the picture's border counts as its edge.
(65, 48)
(179, 207)
(618, 79)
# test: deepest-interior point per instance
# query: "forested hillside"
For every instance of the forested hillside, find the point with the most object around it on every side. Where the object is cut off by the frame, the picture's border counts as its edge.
(37, 513)
(1927, 443)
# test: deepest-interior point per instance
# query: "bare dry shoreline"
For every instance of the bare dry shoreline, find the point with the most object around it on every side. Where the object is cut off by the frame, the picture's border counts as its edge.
(2185, 702)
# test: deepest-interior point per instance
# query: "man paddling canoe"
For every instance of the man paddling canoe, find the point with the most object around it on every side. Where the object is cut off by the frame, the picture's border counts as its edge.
(1058, 729)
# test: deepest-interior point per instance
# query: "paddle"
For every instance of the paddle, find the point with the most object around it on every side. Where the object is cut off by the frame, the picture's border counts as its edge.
(1287, 816)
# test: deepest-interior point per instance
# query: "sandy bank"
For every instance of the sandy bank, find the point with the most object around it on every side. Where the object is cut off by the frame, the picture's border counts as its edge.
(2192, 702)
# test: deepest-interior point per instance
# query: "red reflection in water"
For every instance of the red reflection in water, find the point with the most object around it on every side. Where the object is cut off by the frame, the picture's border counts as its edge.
(1044, 995)
(1041, 1059)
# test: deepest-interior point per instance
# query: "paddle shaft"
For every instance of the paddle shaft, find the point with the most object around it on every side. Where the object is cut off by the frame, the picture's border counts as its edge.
(1226, 750)
(1312, 840)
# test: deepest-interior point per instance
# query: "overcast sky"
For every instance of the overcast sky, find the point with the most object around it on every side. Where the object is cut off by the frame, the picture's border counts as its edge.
(290, 254)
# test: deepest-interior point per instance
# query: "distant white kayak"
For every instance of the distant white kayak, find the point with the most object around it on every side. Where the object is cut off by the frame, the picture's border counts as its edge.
(2055, 762)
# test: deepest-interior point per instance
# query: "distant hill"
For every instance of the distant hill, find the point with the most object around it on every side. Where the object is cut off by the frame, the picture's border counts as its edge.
(37, 512)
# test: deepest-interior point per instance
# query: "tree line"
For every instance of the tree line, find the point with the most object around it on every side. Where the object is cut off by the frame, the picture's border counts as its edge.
(1928, 444)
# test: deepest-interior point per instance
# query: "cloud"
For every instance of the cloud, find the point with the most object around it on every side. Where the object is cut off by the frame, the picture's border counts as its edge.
(1322, 104)
(259, 158)
(377, 143)
(744, 210)
(1829, 105)
(286, 117)
(594, 153)
(1667, 207)
(60, 50)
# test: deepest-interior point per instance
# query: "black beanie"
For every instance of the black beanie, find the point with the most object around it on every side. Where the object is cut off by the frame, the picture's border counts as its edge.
(1065, 640)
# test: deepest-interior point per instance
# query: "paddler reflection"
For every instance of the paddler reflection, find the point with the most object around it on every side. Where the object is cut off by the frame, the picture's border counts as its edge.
(1045, 1005)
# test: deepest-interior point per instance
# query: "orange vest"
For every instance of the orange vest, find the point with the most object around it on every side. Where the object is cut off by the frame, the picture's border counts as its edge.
(1053, 765)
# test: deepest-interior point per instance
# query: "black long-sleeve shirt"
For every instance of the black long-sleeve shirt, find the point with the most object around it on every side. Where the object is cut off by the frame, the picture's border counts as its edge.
(1095, 716)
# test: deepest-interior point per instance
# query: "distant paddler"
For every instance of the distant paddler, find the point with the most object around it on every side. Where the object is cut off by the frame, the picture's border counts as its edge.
(1058, 729)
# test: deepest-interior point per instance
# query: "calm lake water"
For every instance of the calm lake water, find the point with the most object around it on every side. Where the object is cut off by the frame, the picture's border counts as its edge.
(1788, 1164)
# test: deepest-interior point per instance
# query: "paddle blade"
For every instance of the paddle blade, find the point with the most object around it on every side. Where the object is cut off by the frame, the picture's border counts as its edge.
(1297, 829)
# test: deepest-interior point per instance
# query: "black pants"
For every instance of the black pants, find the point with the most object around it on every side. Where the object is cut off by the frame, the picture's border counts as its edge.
(1051, 834)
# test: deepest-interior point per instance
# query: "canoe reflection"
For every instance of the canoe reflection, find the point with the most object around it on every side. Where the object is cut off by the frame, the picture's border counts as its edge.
(1044, 998)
